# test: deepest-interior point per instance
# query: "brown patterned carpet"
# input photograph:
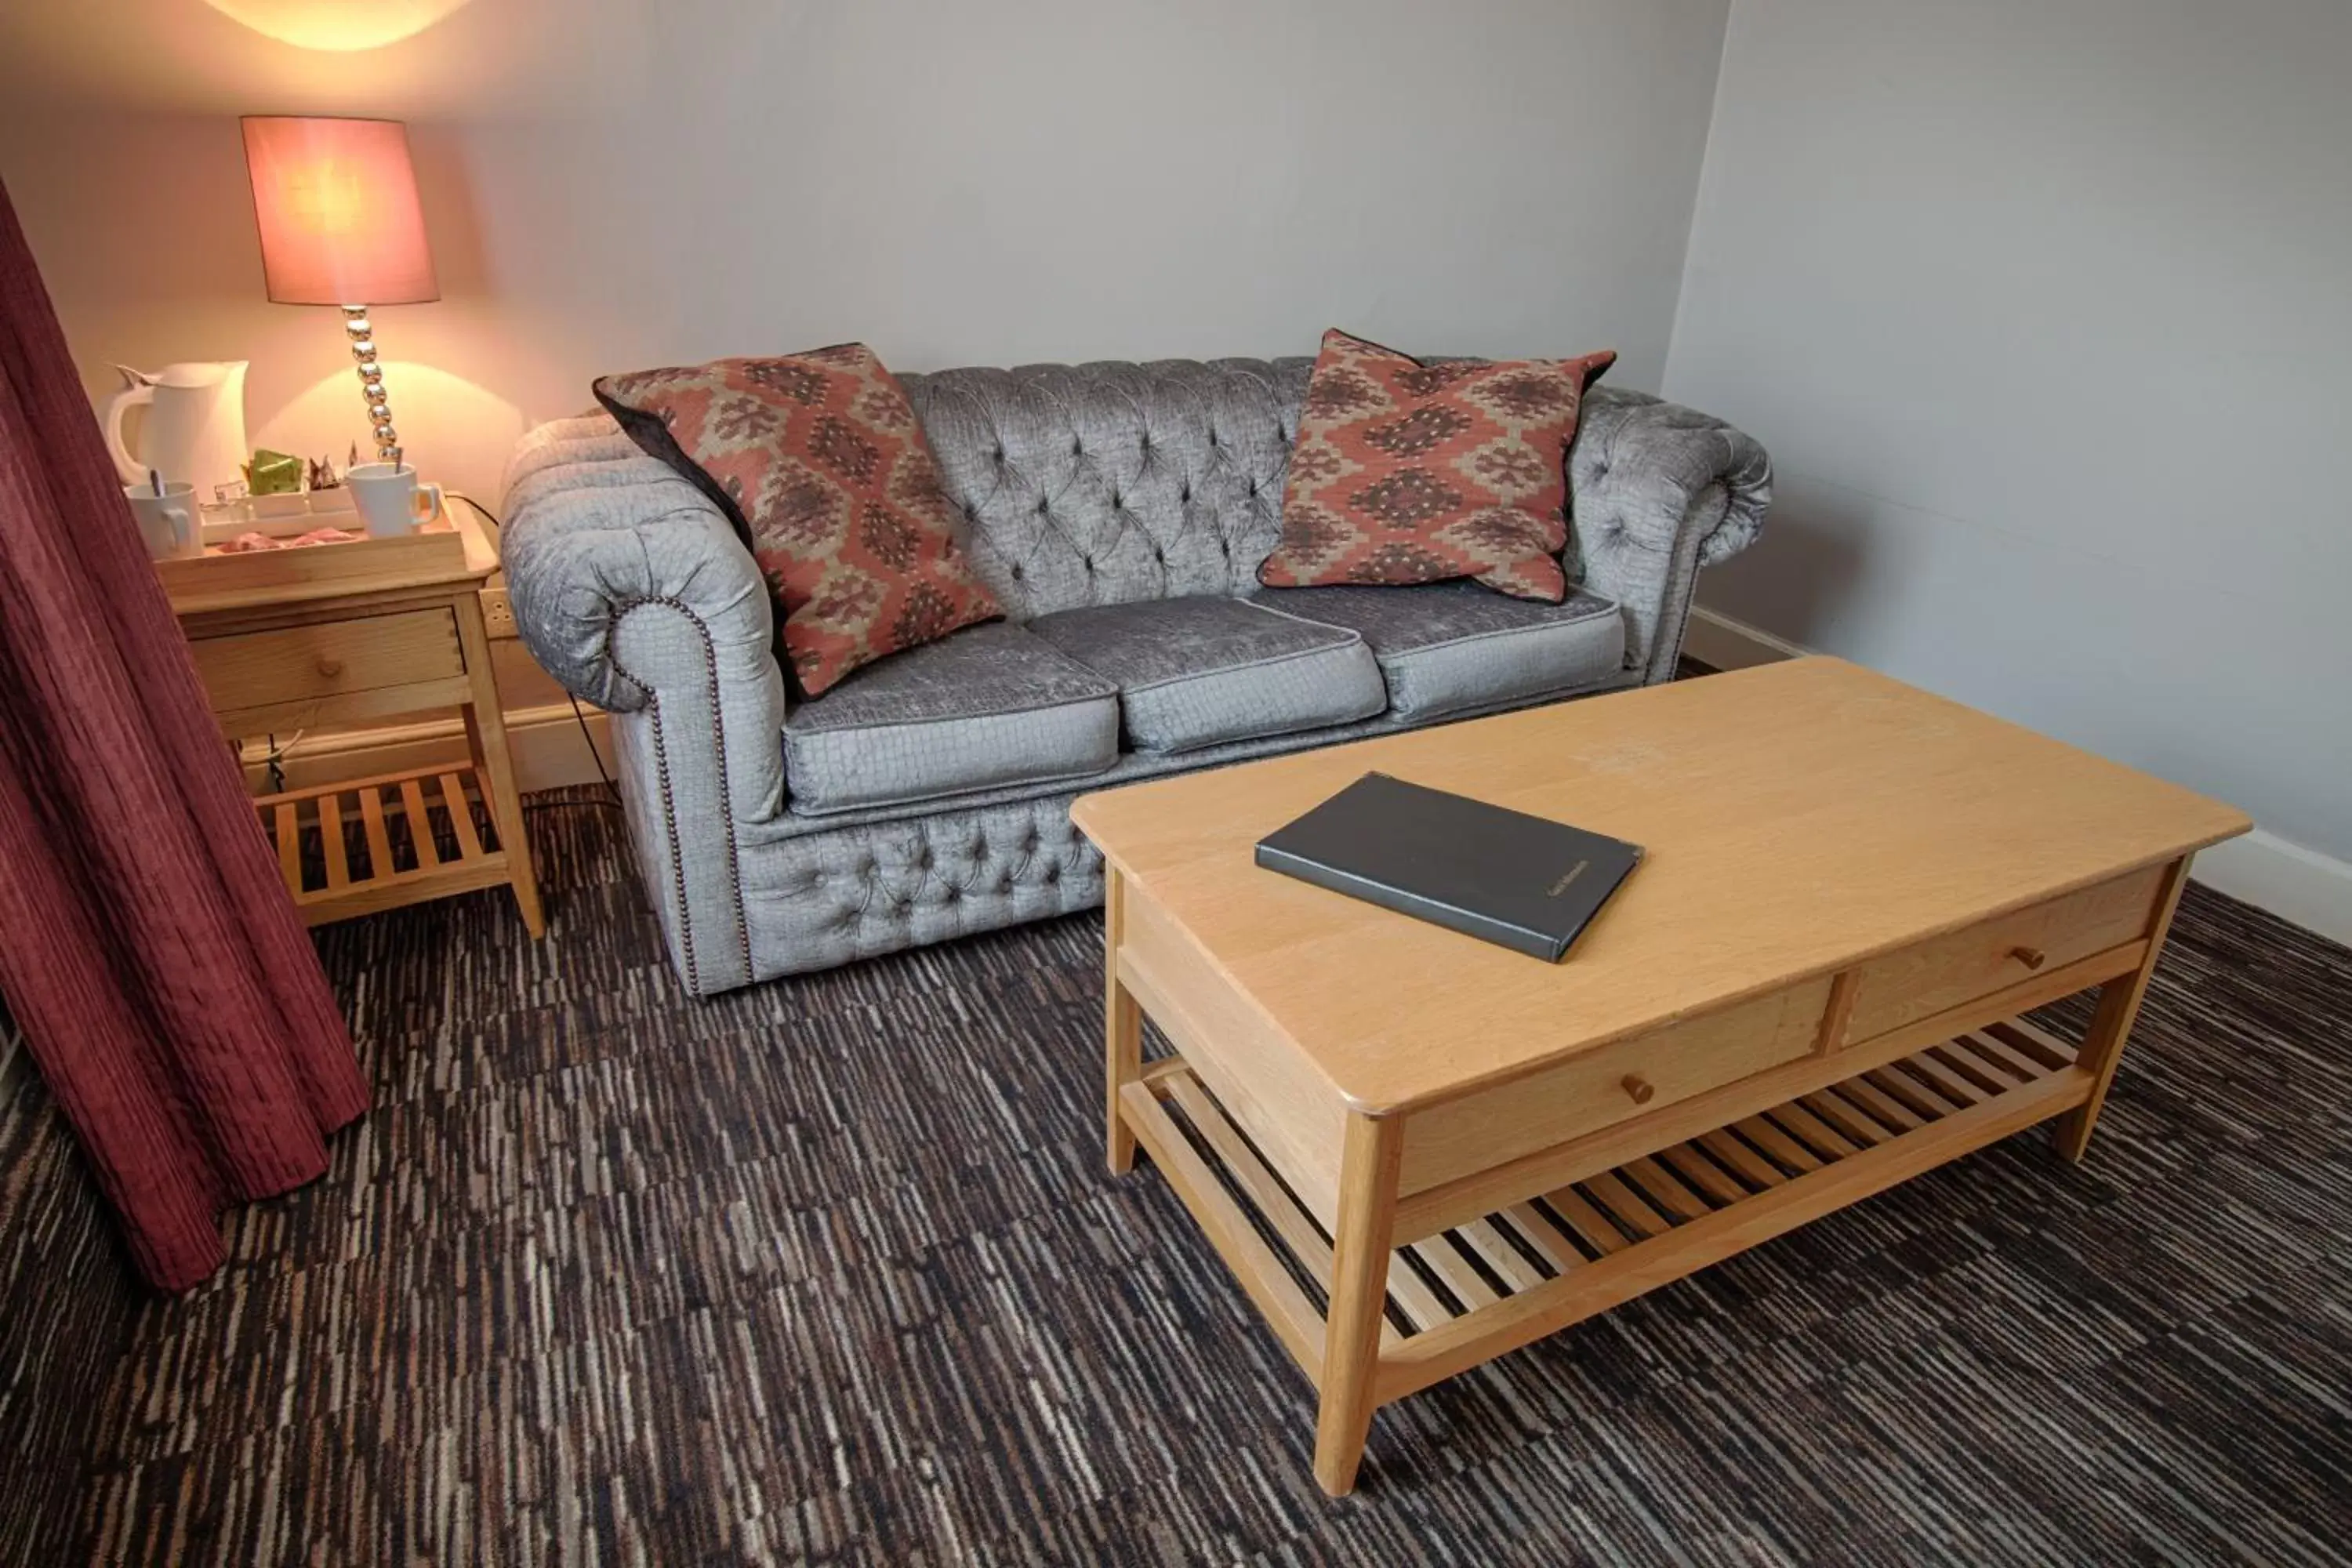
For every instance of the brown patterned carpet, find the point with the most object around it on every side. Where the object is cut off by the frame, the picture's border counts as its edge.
(829, 1270)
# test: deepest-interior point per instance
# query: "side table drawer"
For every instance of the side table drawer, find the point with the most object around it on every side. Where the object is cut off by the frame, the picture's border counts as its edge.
(1951, 971)
(1609, 1084)
(328, 658)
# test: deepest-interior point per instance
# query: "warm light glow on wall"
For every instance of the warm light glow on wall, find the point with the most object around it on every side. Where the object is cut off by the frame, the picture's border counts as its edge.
(338, 24)
(451, 426)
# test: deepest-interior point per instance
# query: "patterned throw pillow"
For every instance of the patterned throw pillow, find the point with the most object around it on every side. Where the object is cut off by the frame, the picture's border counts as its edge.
(818, 460)
(1406, 472)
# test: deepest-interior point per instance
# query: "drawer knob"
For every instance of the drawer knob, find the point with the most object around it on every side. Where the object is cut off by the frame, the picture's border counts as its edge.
(2032, 957)
(1639, 1087)
(331, 667)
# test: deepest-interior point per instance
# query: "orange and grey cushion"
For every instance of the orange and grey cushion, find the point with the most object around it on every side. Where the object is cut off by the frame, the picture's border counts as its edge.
(819, 461)
(1413, 473)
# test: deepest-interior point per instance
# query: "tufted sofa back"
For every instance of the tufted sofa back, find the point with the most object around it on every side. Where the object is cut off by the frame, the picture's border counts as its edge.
(1099, 484)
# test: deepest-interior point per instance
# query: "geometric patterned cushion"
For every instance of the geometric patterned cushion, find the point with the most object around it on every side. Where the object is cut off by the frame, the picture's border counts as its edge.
(818, 460)
(1407, 472)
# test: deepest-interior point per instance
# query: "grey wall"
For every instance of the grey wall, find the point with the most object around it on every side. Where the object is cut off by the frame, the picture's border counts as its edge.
(614, 182)
(2043, 308)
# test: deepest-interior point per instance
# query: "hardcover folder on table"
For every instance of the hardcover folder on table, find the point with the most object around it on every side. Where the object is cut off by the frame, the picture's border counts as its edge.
(1527, 882)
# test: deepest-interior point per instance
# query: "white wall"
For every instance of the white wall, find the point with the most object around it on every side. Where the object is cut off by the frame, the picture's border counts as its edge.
(615, 182)
(2040, 305)
(2044, 311)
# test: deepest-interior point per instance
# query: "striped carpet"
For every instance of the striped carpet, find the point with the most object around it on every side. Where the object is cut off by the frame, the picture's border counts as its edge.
(828, 1271)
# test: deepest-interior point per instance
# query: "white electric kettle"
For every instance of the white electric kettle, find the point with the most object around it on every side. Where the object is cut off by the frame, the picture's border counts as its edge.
(195, 428)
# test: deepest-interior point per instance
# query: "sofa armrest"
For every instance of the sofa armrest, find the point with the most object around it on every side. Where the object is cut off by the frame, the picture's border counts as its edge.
(1656, 491)
(632, 591)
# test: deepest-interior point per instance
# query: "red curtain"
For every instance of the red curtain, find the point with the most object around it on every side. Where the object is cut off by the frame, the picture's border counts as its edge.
(163, 981)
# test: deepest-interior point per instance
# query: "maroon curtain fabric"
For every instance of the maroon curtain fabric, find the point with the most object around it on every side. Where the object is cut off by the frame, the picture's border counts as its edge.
(162, 976)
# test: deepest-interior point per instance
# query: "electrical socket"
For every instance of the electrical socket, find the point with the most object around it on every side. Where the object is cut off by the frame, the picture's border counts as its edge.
(497, 612)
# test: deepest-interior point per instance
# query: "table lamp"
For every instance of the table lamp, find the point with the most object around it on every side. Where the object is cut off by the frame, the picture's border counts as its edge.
(340, 225)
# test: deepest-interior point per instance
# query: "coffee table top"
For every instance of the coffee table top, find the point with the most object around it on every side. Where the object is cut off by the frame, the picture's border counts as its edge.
(1799, 819)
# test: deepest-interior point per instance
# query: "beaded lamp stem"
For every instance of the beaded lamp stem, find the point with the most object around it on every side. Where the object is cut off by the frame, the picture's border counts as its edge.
(362, 336)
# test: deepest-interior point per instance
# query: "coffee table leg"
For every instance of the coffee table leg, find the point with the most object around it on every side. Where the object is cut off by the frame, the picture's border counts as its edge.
(1360, 1273)
(1122, 1026)
(2111, 1020)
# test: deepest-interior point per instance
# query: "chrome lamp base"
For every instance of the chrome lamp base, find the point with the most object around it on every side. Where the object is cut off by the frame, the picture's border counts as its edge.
(362, 337)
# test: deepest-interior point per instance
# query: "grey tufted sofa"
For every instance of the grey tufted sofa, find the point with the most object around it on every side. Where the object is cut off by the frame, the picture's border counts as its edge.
(1082, 486)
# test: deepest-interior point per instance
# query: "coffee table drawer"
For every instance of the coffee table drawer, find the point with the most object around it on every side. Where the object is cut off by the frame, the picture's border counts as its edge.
(253, 669)
(1609, 1084)
(1952, 971)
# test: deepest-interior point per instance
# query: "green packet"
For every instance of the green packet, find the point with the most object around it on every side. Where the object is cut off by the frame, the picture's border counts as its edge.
(273, 474)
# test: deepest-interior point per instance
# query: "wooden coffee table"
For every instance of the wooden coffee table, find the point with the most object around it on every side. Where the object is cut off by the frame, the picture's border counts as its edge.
(1417, 1151)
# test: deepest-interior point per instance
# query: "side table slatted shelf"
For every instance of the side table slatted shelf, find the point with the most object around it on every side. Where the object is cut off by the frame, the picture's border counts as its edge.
(351, 633)
(366, 845)
(1465, 1295)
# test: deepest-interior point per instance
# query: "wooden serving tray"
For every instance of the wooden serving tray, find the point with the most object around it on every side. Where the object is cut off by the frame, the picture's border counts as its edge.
(282, 516)
(437, 553)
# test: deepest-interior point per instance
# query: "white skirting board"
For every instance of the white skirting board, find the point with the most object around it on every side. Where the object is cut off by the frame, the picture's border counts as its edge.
(1722, 642)
(2313, 889)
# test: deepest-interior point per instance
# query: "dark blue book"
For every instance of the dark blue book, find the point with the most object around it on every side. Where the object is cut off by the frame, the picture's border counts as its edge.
(1526, 882)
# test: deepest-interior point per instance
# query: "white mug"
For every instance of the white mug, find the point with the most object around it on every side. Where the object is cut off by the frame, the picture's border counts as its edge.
(389, 499)
(171, 523)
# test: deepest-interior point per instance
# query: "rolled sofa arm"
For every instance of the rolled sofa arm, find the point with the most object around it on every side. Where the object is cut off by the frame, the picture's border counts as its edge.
(1656, 491)
(632, 591)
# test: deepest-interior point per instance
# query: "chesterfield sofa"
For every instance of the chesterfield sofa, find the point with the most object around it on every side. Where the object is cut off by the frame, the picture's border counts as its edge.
(1118, 512)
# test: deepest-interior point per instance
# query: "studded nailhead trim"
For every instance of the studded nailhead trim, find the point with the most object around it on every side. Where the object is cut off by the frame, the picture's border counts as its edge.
(661, 770)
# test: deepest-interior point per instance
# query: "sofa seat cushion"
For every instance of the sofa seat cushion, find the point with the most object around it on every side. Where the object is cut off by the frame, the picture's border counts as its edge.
(1201, 671)
(988, 707)
(1448, 647)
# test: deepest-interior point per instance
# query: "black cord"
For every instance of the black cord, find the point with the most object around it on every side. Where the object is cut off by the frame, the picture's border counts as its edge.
(612, 801)
(496, 526)
(612, 790)
(589, 739)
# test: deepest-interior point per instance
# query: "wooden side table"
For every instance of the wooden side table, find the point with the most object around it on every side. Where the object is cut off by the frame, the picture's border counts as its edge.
(323, 638)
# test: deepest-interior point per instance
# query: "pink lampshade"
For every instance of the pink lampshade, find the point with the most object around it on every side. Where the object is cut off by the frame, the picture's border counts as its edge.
(336, 203)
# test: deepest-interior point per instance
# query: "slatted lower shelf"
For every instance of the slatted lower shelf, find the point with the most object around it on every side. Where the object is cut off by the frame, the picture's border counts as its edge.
(374, 844)
(1466, 1294)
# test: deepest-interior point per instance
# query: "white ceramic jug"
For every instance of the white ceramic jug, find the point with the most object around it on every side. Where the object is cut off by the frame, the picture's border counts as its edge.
(195, 429)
